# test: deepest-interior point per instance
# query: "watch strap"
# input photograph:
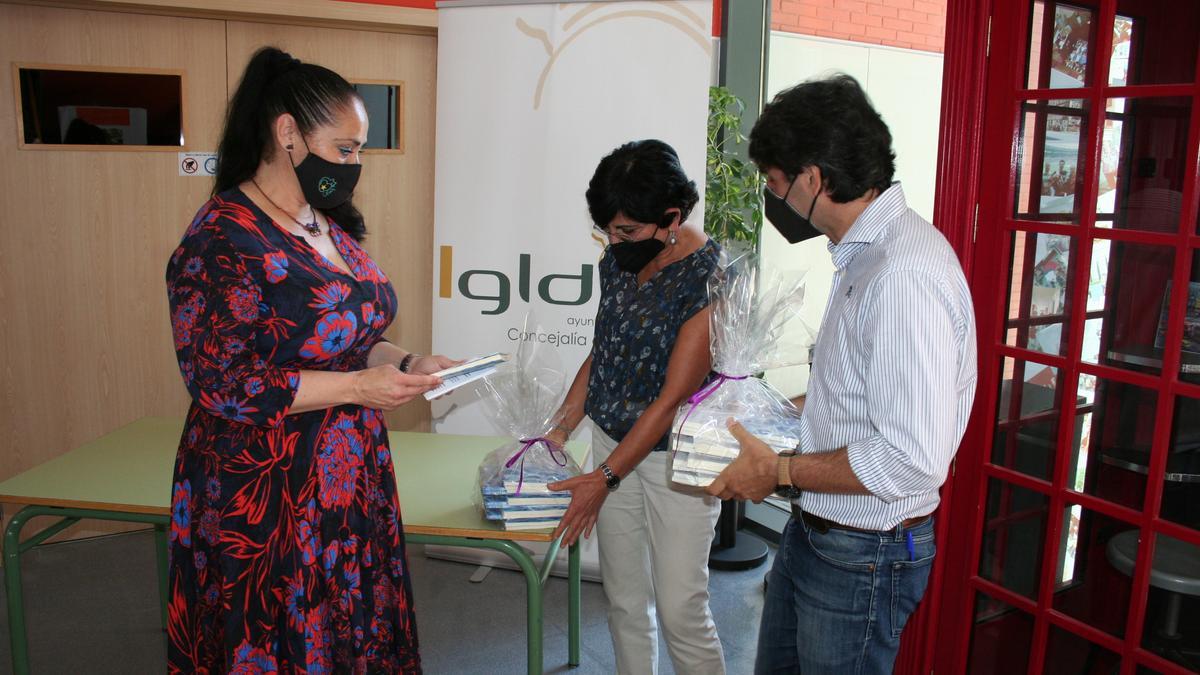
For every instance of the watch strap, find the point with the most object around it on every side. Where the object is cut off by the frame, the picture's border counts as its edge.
(783, 485)
(612, 480)
(783, 477)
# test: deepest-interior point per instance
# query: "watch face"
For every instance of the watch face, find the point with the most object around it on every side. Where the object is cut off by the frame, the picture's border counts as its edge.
(612, 482)
(786, 492)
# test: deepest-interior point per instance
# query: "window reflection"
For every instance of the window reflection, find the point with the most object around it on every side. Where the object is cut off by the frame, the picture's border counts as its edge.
(1039, 292)
(1125, 296)
(1027, 414)
(385, 111)
(1050, 173)
(80, 107)
(1143, 164)
(1061, 43)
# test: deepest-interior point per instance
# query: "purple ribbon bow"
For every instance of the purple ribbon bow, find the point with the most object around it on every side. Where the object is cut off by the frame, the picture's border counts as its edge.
(555, 453)
(697, 398)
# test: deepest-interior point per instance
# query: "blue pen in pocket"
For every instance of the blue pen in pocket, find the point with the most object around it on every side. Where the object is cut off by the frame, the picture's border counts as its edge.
(912, 548)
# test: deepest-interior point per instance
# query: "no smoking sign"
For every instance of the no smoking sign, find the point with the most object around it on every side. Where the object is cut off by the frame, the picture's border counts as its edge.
(197, 164)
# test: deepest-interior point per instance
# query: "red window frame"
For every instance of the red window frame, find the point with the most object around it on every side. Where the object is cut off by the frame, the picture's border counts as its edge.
(979, 84)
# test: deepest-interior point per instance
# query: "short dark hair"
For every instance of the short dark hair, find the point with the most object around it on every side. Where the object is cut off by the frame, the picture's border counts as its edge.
(272, 84)
(830, 124)
(641, 179)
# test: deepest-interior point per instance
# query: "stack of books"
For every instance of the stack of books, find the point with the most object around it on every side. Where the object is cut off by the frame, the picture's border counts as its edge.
(524, 502)
(703, 448)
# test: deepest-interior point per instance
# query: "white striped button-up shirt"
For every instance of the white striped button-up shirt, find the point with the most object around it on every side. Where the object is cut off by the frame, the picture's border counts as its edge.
(894, 366)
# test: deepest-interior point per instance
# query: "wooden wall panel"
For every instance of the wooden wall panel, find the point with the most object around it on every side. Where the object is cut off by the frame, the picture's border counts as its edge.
(412, 16)
(395, 193)
(85, 236)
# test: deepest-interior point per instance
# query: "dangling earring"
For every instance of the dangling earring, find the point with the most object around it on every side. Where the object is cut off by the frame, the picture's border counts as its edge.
(672, 239)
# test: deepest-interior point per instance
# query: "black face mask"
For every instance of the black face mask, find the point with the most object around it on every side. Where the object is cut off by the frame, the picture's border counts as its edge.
(632, 256)
(326, 185)
(793, 226)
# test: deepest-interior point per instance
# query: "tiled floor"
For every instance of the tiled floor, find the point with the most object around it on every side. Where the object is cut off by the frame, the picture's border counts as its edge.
(92, 607)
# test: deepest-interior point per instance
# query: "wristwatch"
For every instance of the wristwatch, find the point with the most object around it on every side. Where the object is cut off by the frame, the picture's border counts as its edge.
(783, 483)
(611, 480)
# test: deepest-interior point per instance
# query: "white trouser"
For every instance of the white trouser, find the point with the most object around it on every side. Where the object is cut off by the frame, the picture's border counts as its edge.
(654, 538)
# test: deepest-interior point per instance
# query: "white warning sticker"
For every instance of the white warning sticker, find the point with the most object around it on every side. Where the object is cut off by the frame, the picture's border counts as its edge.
(197, 164)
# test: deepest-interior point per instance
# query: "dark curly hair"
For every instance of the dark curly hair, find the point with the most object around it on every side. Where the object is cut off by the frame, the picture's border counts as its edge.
(829, 124)
(641, 179)
(272, 84)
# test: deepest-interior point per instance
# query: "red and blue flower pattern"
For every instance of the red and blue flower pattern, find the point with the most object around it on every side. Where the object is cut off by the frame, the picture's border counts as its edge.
(334, 334)
(286, 546)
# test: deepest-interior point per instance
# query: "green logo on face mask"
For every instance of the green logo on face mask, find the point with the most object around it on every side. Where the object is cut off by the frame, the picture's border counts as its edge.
(326, 186)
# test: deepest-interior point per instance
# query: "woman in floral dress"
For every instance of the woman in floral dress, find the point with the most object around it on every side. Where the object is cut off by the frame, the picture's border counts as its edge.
(286, 547)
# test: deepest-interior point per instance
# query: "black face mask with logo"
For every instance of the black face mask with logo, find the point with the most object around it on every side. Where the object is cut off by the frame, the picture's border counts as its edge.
(793, 226)
(326, 185)
(632, 256)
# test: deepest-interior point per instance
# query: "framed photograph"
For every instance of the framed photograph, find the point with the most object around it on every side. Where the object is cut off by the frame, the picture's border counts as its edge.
(1060, 163)
(1191, 320)
(1070, 47)
(1118, 65)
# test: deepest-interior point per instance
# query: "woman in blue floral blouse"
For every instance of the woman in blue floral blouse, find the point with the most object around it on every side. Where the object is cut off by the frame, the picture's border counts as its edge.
(649, 354)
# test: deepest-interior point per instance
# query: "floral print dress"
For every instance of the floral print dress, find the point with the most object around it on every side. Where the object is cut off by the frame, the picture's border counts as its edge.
(286, 547)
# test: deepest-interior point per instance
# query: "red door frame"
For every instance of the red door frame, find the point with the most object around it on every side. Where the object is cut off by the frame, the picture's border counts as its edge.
(960, 145)
(938, 638)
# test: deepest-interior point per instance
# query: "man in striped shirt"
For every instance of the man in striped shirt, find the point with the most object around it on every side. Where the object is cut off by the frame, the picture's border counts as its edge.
(892, 382)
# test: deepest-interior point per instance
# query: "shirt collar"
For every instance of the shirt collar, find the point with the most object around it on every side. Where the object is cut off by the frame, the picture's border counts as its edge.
(873, 222)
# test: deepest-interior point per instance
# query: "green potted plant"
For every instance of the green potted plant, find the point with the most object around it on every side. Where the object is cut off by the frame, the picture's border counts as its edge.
(732, 194)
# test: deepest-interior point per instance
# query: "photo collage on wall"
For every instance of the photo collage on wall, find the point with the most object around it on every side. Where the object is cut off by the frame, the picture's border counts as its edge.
(1070, 46)
(1061, 147)
(1055, 129)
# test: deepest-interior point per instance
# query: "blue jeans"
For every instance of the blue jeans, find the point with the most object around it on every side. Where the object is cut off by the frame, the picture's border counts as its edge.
(837, 601)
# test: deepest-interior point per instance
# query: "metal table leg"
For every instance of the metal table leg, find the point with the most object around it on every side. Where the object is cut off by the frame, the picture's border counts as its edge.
(534, 583)
(14, 547)
(574, 582)
(160, 547)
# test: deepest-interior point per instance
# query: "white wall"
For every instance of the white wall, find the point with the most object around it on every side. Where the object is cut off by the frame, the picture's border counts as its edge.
(905, 87)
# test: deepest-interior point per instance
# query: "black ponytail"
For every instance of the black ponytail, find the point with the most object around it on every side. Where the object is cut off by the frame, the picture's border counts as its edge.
(272, 84)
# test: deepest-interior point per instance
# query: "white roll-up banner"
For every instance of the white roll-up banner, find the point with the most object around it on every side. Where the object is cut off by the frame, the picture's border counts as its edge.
(530, 97)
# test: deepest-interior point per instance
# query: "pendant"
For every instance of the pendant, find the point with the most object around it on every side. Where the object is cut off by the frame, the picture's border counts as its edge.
(313, 229)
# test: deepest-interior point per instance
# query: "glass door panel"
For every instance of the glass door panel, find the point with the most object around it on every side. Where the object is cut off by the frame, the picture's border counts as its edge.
(1181, 478)
(1001, 638)
(1123, 329)
(1155, 41)
(1040, 292)
(1062, 41)
(1113, 436)
(1091, 445)
(1027, 418)
(1067, 652)
(1051, 160)
(1189, 342)
(1143, 164)
(1093, 576)
(1013, 537)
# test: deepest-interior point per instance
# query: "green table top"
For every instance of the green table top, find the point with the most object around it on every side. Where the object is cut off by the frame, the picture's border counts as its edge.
(130, 470)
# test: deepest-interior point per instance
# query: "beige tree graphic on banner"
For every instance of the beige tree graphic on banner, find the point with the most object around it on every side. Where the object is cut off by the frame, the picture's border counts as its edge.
(588, 16)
